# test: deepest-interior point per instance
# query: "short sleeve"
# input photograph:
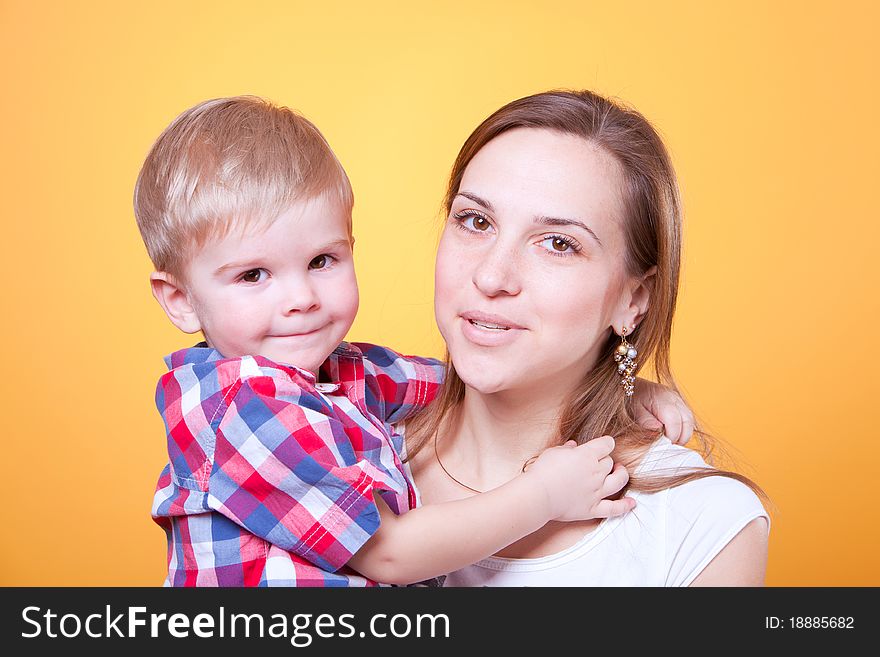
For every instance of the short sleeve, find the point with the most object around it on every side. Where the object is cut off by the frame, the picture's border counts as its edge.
(703, 516)
(398, 385)
(285, 470)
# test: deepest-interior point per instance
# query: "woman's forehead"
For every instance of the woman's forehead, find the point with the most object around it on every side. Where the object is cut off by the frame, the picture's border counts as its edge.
(543, 172)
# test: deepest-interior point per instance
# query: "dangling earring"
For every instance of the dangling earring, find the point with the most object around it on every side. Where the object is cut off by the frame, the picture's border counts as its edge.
(624, 356)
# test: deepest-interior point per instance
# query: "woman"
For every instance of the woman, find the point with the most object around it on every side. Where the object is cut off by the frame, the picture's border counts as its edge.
(556, 280)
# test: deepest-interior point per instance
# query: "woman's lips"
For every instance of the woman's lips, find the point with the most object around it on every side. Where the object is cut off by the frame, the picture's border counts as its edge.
(490, 320)
(489, 330)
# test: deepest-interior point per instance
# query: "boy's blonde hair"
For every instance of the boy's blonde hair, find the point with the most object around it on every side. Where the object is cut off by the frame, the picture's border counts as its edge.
(225, 164)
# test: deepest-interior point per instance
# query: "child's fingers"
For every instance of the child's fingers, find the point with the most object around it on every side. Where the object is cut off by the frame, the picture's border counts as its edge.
(644, 417)
(688, 425)
(615, 481)
(611, 508)
(601, 446)
(670, 415)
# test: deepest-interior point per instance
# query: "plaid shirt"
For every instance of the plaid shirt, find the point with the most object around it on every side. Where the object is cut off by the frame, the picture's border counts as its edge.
(271, 474)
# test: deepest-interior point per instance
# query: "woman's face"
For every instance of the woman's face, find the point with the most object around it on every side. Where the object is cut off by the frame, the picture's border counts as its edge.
(530, 270)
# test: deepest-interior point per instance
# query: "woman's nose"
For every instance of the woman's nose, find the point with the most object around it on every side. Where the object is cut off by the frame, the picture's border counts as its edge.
(498, 273)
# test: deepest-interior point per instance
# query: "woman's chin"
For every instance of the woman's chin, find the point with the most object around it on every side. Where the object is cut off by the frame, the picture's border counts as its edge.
(485, 380)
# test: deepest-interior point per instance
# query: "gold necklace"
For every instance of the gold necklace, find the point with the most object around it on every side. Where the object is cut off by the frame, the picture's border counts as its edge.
(461, 483)
(449, 474)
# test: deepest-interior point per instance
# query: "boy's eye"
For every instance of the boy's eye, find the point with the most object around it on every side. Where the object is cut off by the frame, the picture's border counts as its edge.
(321, 262)
(252, 276)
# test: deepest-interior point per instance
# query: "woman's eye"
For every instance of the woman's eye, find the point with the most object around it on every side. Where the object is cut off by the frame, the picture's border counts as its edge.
(473, 221)
(252, 276)
(560, 245)
(321, 262)
(480, 223)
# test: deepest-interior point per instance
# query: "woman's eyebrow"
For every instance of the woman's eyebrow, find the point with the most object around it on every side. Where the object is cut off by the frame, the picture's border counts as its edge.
(556, 221)
(476, 199)
(546, 221)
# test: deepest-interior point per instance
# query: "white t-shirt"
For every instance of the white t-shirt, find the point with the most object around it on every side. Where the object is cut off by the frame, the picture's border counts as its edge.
(667, 540)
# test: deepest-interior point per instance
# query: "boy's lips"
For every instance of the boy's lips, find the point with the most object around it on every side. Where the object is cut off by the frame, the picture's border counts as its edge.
(298, 334)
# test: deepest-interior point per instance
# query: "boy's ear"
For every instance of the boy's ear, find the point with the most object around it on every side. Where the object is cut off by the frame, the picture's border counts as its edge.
(174, 300)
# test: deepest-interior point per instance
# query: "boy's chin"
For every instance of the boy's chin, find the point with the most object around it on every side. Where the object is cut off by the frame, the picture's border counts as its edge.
(309, 360)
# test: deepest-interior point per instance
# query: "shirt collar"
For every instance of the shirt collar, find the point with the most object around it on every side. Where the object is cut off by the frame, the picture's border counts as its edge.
(202, 353)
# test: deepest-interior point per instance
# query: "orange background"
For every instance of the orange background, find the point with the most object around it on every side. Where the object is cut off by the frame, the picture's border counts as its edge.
(769, 110)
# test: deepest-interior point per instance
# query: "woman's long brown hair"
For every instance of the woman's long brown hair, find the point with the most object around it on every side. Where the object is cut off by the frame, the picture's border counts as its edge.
(652, 231)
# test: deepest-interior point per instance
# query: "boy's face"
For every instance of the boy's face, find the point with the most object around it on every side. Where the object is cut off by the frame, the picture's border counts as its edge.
(287, 292)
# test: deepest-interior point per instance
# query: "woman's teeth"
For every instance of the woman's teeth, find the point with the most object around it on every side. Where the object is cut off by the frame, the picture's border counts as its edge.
(494, 327)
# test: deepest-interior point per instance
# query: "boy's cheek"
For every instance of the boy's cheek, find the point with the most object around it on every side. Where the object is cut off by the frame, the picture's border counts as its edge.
(351, 295)
(349, 312)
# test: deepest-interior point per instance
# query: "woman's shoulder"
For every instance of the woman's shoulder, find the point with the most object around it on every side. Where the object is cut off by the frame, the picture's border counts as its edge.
(665, 457)
(718, 496)
(701, 516)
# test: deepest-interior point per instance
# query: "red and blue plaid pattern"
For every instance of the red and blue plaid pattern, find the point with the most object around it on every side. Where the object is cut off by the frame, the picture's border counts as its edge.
(271, 475)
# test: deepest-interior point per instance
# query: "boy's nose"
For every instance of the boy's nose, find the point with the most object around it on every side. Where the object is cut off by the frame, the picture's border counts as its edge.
(299, 297)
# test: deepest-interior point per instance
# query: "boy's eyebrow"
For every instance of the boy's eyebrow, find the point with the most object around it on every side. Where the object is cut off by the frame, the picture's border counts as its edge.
(252, 263)
(243, 264)
(558, 221)
(335, 244)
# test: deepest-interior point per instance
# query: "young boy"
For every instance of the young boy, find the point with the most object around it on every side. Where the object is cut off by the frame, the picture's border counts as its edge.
(279, 433)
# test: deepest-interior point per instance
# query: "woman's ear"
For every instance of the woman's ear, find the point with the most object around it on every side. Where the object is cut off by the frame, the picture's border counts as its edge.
(175, 301)
(638, 300)
(641, 294)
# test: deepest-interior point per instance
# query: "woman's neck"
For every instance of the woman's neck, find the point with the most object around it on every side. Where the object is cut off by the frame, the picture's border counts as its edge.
(490, 437)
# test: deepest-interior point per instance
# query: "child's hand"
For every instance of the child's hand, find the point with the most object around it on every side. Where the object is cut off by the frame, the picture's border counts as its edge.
(658, 407)
(578, 478)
